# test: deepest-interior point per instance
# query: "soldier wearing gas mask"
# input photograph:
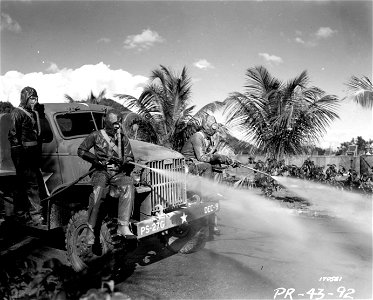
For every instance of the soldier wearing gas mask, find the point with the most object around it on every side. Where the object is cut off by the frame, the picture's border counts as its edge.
(111, 159)
(196, 152)
(25, 152)
(200, 161)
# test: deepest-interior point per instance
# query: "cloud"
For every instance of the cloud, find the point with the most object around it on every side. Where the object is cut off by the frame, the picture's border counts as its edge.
(325, 32)
(7, 23)
(77, 83)
(143, 41)
(299, 40)
(203, 64)
(53, 68)
(104, 40)
(271, 58)
(322, 33)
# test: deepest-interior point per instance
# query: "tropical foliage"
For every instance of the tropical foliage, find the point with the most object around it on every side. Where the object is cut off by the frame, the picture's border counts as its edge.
(362, 145)
(165, 104)
(361, 91)
(6, 107)
(280, 117)
(277, 118)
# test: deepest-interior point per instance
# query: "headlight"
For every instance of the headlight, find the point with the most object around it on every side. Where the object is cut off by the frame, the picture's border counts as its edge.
(186, 169)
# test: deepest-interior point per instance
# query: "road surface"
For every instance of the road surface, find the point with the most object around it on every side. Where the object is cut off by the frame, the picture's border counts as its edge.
(310, 258)
(246, 264)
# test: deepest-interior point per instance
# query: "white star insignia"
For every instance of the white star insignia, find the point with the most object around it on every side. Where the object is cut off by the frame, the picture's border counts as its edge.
(183, 218)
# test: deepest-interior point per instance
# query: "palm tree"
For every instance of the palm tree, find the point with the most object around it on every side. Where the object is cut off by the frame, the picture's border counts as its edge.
(90, 99)
(281, 117)
(164, 103)
(361, 91)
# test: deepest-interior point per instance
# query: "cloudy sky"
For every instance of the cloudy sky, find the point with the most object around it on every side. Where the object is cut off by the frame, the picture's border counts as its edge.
(75, 47)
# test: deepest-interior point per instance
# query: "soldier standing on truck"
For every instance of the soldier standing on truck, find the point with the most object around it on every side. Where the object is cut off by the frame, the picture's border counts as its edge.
(200, 161)
(112, 154)
(25, 152)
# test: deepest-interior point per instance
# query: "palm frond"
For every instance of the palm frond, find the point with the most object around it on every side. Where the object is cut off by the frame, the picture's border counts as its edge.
(209, 108)
(260, 82)
(139, 128)
(361, 91)
(69, 98)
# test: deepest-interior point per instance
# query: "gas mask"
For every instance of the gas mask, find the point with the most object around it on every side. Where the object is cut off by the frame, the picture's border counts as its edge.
(112, 122)
(29, 98)
(209, 125)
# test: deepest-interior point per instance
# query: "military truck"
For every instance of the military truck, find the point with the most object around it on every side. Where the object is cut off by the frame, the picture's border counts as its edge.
(163, 206)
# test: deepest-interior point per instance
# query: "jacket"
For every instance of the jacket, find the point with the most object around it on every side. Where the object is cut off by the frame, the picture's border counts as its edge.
(102, 150)
(24, 128)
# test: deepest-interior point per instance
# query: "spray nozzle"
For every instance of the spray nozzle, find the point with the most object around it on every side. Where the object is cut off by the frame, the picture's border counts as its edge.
(255, 170)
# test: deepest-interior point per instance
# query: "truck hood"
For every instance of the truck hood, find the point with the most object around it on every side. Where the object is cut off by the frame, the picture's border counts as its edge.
(149, 152)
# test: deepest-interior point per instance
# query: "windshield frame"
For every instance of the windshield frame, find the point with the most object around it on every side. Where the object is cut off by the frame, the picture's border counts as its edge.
(69, 137)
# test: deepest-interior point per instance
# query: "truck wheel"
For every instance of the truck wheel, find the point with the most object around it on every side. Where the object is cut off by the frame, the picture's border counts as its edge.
(188, 238)
(79, 253)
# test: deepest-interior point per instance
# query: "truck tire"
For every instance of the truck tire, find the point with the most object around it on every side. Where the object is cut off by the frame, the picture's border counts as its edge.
(79, 254)
(188, 238)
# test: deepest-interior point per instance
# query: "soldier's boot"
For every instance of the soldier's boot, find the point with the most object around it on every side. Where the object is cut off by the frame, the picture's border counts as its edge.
(95, 200)
(125, 206)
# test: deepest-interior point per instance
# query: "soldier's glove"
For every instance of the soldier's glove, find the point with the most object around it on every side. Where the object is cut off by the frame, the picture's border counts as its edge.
(220, 159)
(126, 164)
(115, 161)
(232, 162)
(236, 164)
(90, 157)
(98, 165)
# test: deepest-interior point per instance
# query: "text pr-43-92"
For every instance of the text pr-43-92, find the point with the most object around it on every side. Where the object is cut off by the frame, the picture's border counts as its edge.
(314, 293)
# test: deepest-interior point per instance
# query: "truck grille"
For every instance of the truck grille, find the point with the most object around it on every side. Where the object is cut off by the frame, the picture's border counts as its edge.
(170, 190)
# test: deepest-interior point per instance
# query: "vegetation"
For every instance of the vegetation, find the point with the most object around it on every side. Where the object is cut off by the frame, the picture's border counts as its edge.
(275, 118)
(164, 103)
(340, 178)
(281, 117)
(361, 91)
(362, 145)
(6, 107)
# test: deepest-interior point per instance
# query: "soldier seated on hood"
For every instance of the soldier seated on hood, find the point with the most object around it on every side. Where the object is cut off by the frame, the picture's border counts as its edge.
(198, 158)
(111, 159)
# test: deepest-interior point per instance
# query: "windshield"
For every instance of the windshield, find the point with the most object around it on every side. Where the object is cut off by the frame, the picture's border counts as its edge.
(79, 123)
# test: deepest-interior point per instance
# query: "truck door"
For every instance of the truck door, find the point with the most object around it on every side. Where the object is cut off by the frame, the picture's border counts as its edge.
(49, 159)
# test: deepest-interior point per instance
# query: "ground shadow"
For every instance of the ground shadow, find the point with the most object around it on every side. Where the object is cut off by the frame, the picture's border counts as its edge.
(28, 255)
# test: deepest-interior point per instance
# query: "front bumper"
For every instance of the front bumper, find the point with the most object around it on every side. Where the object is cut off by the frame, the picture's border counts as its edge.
(181, 216)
